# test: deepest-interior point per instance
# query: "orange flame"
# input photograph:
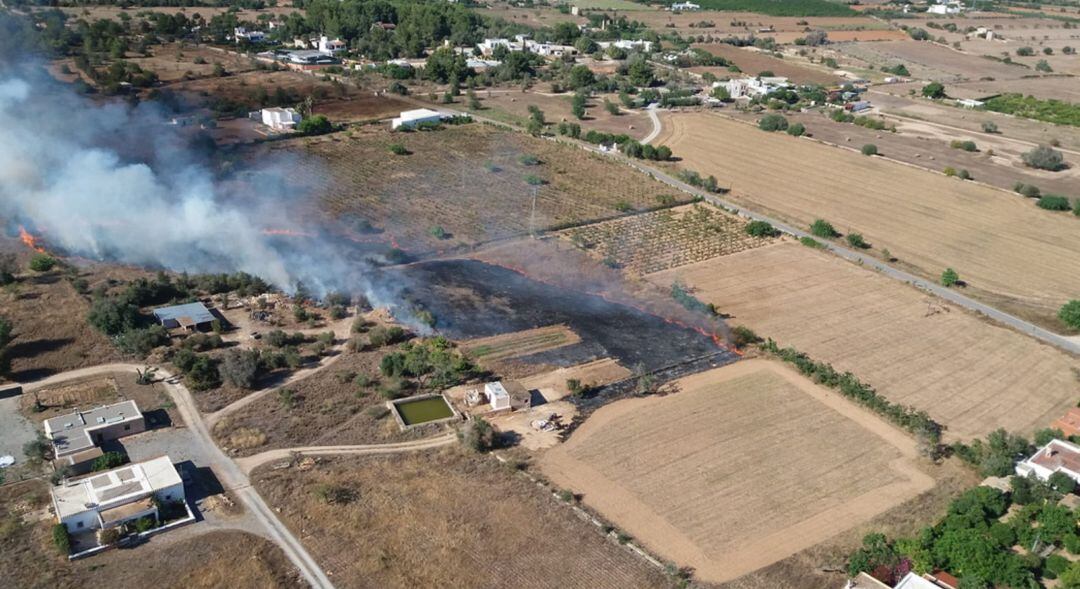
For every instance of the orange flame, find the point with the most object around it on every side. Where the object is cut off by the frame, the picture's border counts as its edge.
(29, 240)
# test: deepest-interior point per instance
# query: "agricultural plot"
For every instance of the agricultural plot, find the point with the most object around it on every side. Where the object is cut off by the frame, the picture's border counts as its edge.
(664, 239)
(968, 374)
(474, 182)
(519, 343)
(723, 23)
(1048, 87)
(995, 240)
(512, 106)
(926, 60)
(744, 466)
(753, 62)
(444, 519)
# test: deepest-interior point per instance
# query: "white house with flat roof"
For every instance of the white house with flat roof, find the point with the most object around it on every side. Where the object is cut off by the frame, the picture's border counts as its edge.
(412, 118)
(684, 7)
(82, 430)
(1057, 456)
(117, 496)
(279, 119)
(497, 395)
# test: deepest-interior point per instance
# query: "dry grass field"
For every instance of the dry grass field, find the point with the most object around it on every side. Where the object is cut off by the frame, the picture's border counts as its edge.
(968, 374)
(182, 559)
(512, 106)
(752, 62)
(663, 239)
(173, 62)
(926, 60)
(469, 180)
(444, 519)
(998, 243)
(744, 466)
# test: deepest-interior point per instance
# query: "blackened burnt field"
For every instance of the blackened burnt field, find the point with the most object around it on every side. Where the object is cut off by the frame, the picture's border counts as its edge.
(472, 299)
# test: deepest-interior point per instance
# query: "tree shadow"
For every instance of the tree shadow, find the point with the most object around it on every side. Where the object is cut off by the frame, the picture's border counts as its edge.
(32, 348)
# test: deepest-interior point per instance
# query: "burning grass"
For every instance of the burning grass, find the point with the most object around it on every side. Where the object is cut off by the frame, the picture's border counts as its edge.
(463, 184)
(665, 239)
(433, 520)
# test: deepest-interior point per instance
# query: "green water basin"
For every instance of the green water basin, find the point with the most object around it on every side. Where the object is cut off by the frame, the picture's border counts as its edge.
(423, 410)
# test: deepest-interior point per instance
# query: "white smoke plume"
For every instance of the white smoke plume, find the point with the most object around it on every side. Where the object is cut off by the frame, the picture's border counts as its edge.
(109, 181)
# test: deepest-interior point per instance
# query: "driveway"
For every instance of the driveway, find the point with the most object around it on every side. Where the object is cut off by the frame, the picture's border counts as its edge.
(15, 430)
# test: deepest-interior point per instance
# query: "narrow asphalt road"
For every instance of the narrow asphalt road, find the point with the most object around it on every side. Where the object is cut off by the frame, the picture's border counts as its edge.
(232, 477)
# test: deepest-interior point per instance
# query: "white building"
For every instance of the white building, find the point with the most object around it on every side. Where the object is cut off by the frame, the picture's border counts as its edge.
(412, 118)
(628, 45)
(280, 119)
(970, 103)
(946, 7)
(242, 34)
(524, 43)
(117, 496)
(684, 7)
(1057, 456)
(752, 87)
(331, 46)
(497, 395)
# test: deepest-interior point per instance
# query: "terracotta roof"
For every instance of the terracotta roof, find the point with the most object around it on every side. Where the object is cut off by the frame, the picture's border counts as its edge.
(1057, 455)
(1069, 424)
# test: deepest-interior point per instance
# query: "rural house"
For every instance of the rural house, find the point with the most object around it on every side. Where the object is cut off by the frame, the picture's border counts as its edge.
(507, 396)
(76, 436)
(191, 316)
(280, 119)
(1057, 456)
(117, 496)
(684, 7)
(412, 118)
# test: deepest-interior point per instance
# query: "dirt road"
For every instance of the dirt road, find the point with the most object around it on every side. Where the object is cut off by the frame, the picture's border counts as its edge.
(249, 463)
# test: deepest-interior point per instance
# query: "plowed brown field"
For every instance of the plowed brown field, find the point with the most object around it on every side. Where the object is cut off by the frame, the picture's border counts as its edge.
(998, 243)
(746, 465)
(971, 376)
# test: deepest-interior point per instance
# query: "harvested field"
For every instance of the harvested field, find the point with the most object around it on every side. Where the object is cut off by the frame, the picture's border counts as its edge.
(512, 105)
(927, 146)
(362, 107)
(753, 62)
(928, 60)
(719, 476)
(664, 239)
(473, 183)
(930, 222)
(712, 22)
(968, 374)
(433, 520)
(183, 558)
(519, 343)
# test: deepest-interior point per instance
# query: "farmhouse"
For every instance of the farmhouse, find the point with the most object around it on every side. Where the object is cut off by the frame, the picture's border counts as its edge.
(76, 436)
(241, 34)
(190, 316)
(331, 46)
(117, 496)
(946, 7)
(1057, 456)
(752, 87)
(280, 119)
(412, 118)
(628, 45)
(1069, 424)
(684, 6)
(507, 396)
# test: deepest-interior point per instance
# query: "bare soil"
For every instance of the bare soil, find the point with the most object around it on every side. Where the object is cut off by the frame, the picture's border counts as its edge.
(438, 519)
(727, 500)
(968, 374)
(512, 105)
(927, 60)
(752, 62)
(992, 238)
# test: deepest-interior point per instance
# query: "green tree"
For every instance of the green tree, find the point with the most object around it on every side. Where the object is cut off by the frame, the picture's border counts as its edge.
(824, 229)
(869, 149)
(796, 130)
(1044, 157)
(1069, 314)
(61, 539)
(762, 229)
(772, 122)
(949, 277)
(580, 77)
(478, 435)
(856, 240)
(934, 90)
(315, 125)
(577, 106)
(640, 73)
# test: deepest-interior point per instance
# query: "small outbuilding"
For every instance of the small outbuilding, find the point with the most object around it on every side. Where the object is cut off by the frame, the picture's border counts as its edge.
(507, 396)
(412, 118)
(190, 316)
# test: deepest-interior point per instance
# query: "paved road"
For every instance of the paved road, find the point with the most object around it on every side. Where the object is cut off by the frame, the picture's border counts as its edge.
(249, 463)
(228, 472)
(656, 126)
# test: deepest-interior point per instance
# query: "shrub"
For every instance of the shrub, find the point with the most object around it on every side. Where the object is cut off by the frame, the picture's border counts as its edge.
(1055, 565)
(761, 229)
(963, 174)
(824, 229)
(1062, 483)
(140, 342)
(1025, 52)
(108, 461)
(623, 206)
(964, 145)
(1044, 157)
(109, 536)
(438, 232)
(478, 435)
(743, 336)
(315, 125)
(529, 160)
(772, 122)
(386, 336)
(856, 240)
(934, 90)
(989, 127)
(240, 368)
(42, 262)
(949, 277)
(533, 180)
(869, 149)
(1069, 314)
(61, 538)
(398, 149)
(949, 171)
(1028, 190)
(1053, 202)
(811, 242)
(796, 130)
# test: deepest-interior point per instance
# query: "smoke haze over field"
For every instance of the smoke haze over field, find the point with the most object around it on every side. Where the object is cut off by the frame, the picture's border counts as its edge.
(112, 182)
